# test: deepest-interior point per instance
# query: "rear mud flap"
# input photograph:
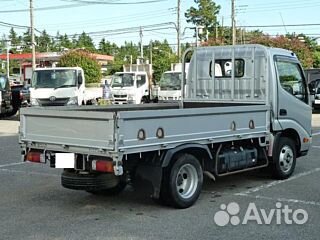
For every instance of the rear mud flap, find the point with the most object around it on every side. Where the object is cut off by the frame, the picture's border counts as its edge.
(148, 180)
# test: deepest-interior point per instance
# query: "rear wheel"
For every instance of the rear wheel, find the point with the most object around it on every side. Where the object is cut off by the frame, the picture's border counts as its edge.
(284, 159)
(182, 182)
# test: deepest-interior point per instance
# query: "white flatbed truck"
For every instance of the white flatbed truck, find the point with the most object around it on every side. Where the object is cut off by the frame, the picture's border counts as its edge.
(238, 121)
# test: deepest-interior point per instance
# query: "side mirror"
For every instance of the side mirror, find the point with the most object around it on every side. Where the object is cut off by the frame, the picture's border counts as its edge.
(80, 79)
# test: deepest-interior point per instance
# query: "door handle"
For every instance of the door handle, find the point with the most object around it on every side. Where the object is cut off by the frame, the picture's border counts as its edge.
(283, 112)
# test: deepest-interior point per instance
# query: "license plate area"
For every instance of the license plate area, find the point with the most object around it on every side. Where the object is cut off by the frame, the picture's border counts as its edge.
(65, 160)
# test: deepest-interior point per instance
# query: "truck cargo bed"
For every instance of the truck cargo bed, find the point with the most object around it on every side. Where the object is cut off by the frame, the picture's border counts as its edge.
(101, 130)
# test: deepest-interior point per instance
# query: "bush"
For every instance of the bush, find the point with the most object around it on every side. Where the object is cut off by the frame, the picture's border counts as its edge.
(83, 59)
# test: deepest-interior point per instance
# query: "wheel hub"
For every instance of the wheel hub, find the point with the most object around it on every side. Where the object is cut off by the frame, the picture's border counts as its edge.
(187, 181)
(286, 159)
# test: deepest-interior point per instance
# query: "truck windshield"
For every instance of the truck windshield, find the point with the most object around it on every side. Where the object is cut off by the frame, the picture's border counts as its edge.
(122, 80)
(54, 78)
(171, 81)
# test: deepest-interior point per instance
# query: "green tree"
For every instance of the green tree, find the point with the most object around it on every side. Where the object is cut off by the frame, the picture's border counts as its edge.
(86, 42)
(162, 57)
(26, 39)
(44, 42)
(123, 56)
(106, 47)
(84, 59)
(62, 43)
(316, 57)
(294, 44)
(14, 38)
(205, 15)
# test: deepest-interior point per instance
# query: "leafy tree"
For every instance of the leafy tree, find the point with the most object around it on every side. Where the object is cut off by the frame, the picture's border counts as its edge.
(106, 47)
(302, 51)
(14, 38)
(205, 15)
(44, 42)
(316, 57)
(26, 38)
(86, 42)
(124, 55)
(62, 42)
(84, 59)
(162, 58)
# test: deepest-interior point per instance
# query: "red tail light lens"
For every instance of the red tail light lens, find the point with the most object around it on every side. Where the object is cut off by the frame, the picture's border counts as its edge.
(36, 157)
(102, 166)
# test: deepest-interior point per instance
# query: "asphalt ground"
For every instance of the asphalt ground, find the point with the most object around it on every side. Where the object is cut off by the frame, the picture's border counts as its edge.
(33, 205)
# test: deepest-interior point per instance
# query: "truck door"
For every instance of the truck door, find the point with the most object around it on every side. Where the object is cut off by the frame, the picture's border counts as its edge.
(293, 109)
(142, 88)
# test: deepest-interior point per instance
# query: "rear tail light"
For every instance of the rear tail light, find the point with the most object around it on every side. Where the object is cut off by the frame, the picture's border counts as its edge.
(36, 157)
(102, 166)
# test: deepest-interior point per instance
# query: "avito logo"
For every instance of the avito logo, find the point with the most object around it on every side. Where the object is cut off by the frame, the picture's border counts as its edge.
(279, 215)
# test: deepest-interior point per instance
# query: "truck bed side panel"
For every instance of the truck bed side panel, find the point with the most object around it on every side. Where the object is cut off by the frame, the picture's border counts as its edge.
(201, 125)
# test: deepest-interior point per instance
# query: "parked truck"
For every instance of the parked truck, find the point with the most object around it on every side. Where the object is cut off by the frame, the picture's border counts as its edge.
(133, 85)
(169, 87)
(6, 106)
(61, 86)
(313, 79)
(13, 97)
(225, 123)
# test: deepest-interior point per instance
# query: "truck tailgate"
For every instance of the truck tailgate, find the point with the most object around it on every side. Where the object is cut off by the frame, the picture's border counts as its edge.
(68, 128)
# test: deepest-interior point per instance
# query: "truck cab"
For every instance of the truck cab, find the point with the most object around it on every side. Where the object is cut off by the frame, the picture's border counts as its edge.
(129, 87)
(169, 87)
(57, 87)
(5, 96)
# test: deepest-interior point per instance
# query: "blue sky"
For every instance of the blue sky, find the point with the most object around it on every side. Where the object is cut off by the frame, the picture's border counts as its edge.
(103, 17)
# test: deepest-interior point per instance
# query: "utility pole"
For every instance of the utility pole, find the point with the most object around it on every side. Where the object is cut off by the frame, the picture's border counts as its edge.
(33, 44)
(8, 58)
(178, 30)
(233, 22)
(197, 32)
(222, 31)
(150, 46)
(141, 45)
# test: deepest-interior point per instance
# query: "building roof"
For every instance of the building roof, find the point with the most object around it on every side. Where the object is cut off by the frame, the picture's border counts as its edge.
(49, 56)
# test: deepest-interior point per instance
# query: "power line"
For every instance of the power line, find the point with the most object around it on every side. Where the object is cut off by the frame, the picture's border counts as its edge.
(5, 24)
(146, 17)
(114, 2)
(277, 25)
(80, 4)
(132, 29)
(278, 7)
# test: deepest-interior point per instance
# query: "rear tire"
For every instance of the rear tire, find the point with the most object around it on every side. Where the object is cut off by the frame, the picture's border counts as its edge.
(284, 159)
(96, 183)
(182, 182)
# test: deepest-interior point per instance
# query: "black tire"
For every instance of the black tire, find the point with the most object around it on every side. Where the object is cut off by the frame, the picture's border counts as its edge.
(12, 113)
(145, 99)
(98, 183)
(110, 191)
(182, 182)
(284, 158)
